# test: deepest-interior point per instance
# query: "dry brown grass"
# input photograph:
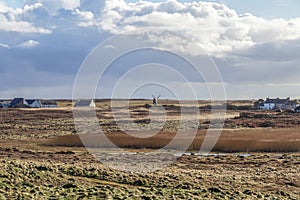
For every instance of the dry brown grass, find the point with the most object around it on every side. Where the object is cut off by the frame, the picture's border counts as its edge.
(100, 103)
(254, 140)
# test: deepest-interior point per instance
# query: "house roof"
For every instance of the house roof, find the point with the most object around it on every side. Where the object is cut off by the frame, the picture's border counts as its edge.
(84, 103)
(294, 102)
(261, 104)
(31, 101)
(277, 101)
(17, 101)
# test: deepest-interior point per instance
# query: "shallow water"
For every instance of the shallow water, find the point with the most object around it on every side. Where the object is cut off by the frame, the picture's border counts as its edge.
(211, 154)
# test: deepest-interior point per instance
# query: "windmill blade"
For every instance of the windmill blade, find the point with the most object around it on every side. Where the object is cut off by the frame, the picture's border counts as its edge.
(153, 96)
(158, 96)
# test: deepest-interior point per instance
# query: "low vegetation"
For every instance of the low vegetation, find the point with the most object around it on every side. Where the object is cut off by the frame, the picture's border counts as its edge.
(258, 140)
(256, 157)
(189, 177)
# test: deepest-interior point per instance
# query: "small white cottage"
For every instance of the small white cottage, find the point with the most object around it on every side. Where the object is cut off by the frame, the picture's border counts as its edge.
(85, 103)
(33, 103)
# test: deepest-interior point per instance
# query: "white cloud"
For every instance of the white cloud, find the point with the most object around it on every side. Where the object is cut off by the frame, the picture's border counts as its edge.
(4, 45)
(29, 8)
(29, 44)
(215, 27)
(3, 7)
(22, 27)
(54, 5)
(12, 20)
(84, 15)
(67, 4)
(109, 47)
(8, 25)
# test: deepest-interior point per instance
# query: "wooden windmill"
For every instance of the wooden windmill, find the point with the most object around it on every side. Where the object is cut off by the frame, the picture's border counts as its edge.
(155, 99)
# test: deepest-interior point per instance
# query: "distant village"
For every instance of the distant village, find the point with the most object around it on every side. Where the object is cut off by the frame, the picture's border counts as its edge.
(276, 104)
(40, 103)
(28, 103)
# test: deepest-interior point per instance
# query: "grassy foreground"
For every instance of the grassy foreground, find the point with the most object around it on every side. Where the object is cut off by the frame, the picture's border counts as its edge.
(268, 176)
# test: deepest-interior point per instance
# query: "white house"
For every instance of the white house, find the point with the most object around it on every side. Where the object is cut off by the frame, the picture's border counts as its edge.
(85, 103)
(278, 103)
(33, 103)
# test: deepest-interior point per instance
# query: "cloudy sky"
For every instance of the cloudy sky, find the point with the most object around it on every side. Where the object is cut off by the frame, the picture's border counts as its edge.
(255, 44)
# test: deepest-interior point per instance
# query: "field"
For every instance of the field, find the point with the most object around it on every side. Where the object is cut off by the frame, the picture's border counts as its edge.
(256, 157)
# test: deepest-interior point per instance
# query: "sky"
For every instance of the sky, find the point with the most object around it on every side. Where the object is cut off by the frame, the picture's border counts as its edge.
(254, 44)
(266, 8)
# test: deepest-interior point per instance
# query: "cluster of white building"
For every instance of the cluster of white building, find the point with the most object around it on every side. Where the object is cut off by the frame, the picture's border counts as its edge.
(28, 103)
(285, 104)
(39, 103)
